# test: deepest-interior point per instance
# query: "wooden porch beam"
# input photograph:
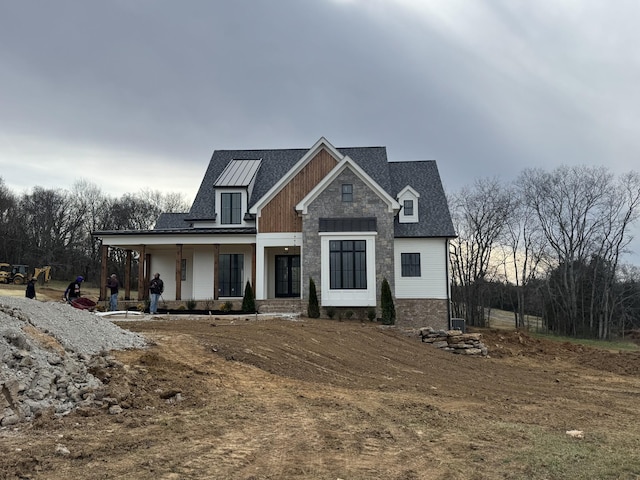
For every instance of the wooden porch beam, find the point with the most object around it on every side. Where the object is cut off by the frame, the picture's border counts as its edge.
(127, 276)
(104, 255)
(141, 273)
(179, 271)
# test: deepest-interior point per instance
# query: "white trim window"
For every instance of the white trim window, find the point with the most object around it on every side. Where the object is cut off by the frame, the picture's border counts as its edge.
(348, 269)
(408, 198)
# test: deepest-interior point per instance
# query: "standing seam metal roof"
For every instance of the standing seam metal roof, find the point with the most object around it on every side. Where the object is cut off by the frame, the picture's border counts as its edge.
(238, 173)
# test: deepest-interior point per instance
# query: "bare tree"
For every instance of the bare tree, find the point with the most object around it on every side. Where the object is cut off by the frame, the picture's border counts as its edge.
(11, 229)
(525, 245)
(584, 215)
(620, 210)
(53, 222)
(479, 214)
(171, 202)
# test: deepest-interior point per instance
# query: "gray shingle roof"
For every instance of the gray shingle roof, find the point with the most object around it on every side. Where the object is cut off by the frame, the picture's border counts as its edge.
(433, 210)
(171, 220)
(423, 176)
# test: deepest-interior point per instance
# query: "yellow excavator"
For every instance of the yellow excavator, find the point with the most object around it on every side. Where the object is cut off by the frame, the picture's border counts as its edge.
(45, 272)
(19, 274)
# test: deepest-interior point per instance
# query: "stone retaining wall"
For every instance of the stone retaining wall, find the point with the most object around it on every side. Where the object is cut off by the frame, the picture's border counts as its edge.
(454, 341)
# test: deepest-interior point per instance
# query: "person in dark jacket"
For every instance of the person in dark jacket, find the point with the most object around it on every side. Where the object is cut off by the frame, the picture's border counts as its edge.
(156, 287)
(31, 289)
(73, 290)
(112, 285)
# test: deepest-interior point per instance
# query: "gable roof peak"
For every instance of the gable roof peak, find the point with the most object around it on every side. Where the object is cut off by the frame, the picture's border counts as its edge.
(321, 144)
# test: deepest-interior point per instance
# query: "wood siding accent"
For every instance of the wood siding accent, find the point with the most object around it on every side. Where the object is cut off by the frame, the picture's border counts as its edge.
(279, 215)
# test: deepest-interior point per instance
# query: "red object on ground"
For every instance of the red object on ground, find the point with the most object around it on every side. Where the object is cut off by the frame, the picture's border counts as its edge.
(83, 303)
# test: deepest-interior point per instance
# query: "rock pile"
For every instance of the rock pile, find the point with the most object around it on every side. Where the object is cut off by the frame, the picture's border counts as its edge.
(454, 341)
(47, 351)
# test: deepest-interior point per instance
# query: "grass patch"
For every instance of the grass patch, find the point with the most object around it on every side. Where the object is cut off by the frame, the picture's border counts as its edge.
(555, 455)
(615, 345)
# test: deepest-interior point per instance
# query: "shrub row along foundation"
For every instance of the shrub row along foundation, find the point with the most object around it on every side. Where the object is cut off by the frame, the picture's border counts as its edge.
(454, 341)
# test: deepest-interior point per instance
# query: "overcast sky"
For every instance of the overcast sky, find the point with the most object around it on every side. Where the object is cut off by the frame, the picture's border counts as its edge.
(136, 94)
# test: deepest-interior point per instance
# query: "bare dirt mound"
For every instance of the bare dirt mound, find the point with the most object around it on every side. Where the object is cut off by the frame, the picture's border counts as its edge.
(503, 343)
(257, 399)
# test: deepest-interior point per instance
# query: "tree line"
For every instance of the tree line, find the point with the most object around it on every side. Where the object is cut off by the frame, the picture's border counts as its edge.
(53, 226)
(549, 245)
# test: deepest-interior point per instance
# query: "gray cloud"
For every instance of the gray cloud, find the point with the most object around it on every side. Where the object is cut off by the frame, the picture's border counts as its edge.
(138, 94)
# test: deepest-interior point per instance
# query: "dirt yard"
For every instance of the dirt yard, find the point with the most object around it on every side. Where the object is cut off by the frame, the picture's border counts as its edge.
(252, 399)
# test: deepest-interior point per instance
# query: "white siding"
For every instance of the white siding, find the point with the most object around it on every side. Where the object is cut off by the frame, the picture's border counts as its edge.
(432, 282)
(203, 274)
(164, 263)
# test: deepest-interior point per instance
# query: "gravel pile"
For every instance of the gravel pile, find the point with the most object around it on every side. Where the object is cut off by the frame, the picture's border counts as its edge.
(47, 351)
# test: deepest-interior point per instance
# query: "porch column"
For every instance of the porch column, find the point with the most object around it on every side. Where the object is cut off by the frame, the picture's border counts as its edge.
(127, 276)
(259, 289)
(141, 273)
(253, 268)
(216, 265)
(179, 271)
(147, 275)
(104, 255)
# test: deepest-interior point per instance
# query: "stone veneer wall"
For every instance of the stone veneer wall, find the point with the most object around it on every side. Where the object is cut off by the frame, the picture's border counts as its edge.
(416, 313)
(366, 203)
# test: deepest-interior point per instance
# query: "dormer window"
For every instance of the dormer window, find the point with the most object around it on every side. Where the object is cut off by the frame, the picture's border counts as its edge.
(347, 192)
(408, 198)
(230, 208)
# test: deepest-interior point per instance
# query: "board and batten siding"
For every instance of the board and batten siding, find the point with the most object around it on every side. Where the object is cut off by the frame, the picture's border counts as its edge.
(279, 215)
(432, 282)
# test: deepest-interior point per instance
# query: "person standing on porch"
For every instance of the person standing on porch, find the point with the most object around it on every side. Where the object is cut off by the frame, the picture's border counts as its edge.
(156, 287)
(112, 285)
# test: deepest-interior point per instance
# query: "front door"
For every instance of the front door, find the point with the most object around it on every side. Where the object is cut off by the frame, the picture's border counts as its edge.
(287, 275)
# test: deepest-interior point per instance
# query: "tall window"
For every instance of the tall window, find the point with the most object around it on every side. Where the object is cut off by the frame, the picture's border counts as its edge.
(410, 264)
(230, 208)
(230, 274)
(408, 207)
(347, 192)
(348, 264)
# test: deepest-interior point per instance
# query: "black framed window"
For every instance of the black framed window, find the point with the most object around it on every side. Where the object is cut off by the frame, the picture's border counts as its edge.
(347, 192)
(347, 264)
(230, 208)
(230, 274)
(408, 207)
(410, 264)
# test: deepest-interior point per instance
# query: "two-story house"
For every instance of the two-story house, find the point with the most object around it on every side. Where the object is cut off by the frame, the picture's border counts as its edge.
(345, 217)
